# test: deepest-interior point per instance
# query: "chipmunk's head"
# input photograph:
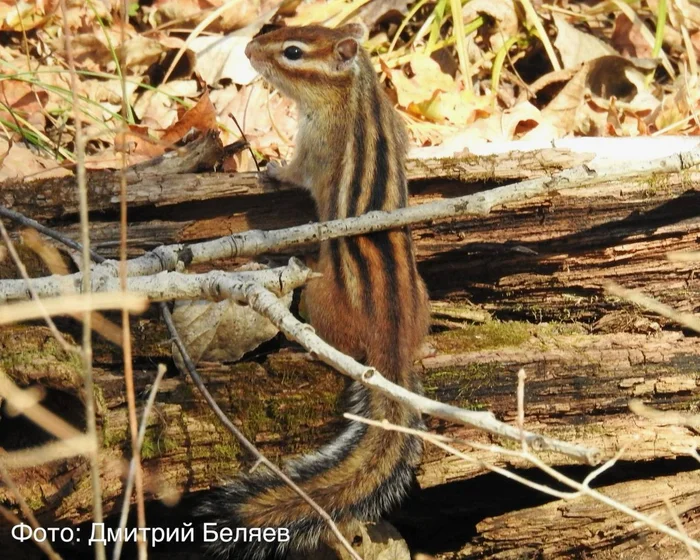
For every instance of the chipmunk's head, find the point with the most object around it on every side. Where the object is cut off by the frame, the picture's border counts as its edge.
(309, 64)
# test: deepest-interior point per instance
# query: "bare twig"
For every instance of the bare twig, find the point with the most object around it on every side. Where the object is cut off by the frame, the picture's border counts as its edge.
(255, 242)
(168, 286)
(679, 525)
(87, 318)
(44, 546)
(269, 306)
(38, 305)
(686, 319)
(48, 232)
(260, 458)
(580, 488)
(70, 304)
(116, 554)
(135, 470)
(443, 443)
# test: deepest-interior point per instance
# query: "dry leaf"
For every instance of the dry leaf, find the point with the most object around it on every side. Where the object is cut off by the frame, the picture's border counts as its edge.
(221, 58)
(501, 12)
(22, 16)
(575, 46)
(583, 105)
(672, 109)
(19, 162)
(256, 111)
(25, 101)
(221, 331)
(419, 93)
(239, 14)
(627, 38)
(157, 109)
(201, 117)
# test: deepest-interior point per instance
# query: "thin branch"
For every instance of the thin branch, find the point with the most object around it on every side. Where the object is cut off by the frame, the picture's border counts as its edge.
(44, 545)
(442, 443)
(124, 514)
(260, 458)
(135, 467)
(48, 232)
(27, 284)
(255, 242)
(268, 305)
(70, 304)
(686, 319)
(584, 488)
(580, 488)
(166, 286)
(87, 318)
(679, 525)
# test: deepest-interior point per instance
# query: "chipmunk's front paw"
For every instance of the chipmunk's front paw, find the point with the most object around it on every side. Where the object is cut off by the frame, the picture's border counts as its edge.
(275, 170)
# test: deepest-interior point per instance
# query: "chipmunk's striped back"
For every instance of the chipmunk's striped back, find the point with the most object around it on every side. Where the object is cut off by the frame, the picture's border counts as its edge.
(370, 301)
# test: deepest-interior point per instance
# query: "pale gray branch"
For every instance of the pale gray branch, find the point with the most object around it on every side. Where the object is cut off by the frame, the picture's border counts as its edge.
(256, 242)
(166, 286)
(268, 305)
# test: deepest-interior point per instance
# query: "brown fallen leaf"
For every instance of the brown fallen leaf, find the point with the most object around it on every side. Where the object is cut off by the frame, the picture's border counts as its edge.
(23, 100)
(583, 106)
(575, 46)
(201, 117)
(627, 38)
(19, 162)
(221, 331)
(23, 16)
(502, 13)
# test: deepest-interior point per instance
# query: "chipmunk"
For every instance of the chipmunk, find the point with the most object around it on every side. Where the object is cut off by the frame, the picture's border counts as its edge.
(370, 301)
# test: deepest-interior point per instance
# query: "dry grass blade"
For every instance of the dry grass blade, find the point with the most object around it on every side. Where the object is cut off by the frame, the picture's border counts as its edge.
(67, 346)
(135, 472)
(131, 478)
(62, 449)
(534, 19)
(71, 304)
(86, 353)
(669, 417)
(686, 319)
(26, 402)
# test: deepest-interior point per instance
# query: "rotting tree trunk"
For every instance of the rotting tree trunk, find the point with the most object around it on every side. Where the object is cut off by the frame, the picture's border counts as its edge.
(537, 264)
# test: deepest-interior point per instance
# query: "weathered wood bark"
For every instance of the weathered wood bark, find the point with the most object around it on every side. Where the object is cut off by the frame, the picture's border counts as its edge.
(537, 267)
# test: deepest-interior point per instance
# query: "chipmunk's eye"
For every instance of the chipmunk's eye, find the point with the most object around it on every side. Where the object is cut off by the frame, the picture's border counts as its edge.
(293, 53)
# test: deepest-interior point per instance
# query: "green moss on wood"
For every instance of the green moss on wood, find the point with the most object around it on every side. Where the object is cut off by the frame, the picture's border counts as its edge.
(32, 354)
(491, 334)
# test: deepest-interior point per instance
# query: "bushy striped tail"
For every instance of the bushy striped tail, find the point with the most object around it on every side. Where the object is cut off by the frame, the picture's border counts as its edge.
(361, 475)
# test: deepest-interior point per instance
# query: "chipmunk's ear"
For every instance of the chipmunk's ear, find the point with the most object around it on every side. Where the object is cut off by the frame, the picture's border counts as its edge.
(357, 31)
(347, 47)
